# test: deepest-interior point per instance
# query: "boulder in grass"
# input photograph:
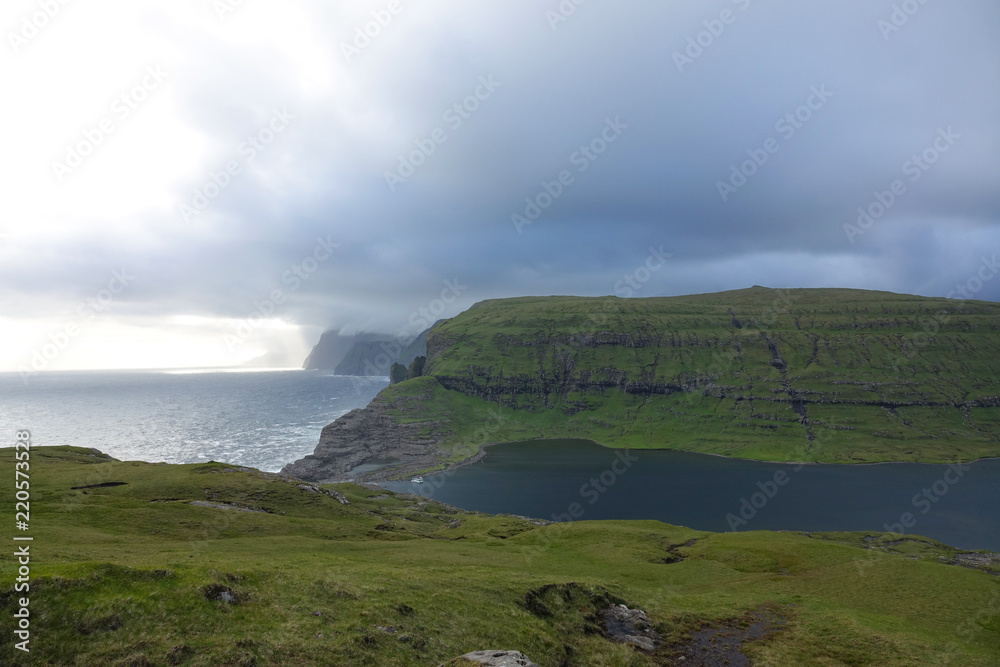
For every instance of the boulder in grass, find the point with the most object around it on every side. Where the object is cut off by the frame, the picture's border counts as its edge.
(491, 659)
(629, 626)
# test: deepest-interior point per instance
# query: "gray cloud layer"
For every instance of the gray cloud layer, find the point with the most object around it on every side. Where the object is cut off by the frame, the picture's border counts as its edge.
(656, 185)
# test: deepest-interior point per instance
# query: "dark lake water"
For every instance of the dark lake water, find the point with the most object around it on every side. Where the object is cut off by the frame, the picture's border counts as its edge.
(579, 480)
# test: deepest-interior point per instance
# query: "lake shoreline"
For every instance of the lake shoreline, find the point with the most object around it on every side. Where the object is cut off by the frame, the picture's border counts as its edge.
(586, 480)
(482, 452)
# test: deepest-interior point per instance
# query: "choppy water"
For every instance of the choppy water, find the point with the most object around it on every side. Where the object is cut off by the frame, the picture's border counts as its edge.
(262, 419)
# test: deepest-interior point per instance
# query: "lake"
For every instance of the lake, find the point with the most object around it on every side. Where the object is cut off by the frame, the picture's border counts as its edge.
(580, 480)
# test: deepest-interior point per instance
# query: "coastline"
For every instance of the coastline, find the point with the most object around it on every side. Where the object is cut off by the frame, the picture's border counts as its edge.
(412, 468)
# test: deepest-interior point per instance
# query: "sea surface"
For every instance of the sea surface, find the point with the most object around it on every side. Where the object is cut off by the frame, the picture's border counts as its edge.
(262, 419)
(579, 480)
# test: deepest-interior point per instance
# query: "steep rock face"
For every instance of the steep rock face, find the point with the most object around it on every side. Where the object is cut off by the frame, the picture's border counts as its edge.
(328, 352)
(364, 354)
(370, 434)
(371, 355)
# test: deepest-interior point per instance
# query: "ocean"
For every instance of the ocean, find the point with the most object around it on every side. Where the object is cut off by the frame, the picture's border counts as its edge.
(261, 419)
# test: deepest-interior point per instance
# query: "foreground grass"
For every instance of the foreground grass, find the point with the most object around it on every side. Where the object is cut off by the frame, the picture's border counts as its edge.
(123, 575)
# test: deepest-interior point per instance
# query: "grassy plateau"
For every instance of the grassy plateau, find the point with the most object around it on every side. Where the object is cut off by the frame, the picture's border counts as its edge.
(825, 375)
(126, 569)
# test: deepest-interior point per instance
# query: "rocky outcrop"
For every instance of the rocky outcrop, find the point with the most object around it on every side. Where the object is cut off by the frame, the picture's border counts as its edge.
(630, 626)
(491, 659)
(370, 434)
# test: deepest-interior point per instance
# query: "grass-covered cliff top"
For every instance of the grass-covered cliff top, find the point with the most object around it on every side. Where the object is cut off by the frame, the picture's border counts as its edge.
(268, 572)
(811, 374)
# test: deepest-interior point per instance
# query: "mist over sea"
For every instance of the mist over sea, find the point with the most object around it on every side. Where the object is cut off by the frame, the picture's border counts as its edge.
(262, 419)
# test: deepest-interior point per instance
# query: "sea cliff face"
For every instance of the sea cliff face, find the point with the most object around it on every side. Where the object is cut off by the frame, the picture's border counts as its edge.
(816, 375)
(328, 352)
(374, 434)
(364, 354)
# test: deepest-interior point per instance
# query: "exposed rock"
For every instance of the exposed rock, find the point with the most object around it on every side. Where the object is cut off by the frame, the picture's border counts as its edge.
(986, 561)
(629, 626)
(368, 434)
(220, 593)
(492, 659)
(337, 495)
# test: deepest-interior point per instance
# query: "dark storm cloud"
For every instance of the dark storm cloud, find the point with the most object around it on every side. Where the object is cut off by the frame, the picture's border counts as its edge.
(878, 98)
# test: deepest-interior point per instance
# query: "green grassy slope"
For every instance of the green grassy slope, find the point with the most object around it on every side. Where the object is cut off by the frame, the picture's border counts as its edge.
(122, 576)
(814, 375)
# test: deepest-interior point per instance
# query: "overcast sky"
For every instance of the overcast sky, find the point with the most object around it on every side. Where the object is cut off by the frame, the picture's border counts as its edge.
(172, 168)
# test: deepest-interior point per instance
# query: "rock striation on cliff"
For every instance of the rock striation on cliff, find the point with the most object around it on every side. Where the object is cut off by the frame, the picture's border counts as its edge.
(373, 434)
